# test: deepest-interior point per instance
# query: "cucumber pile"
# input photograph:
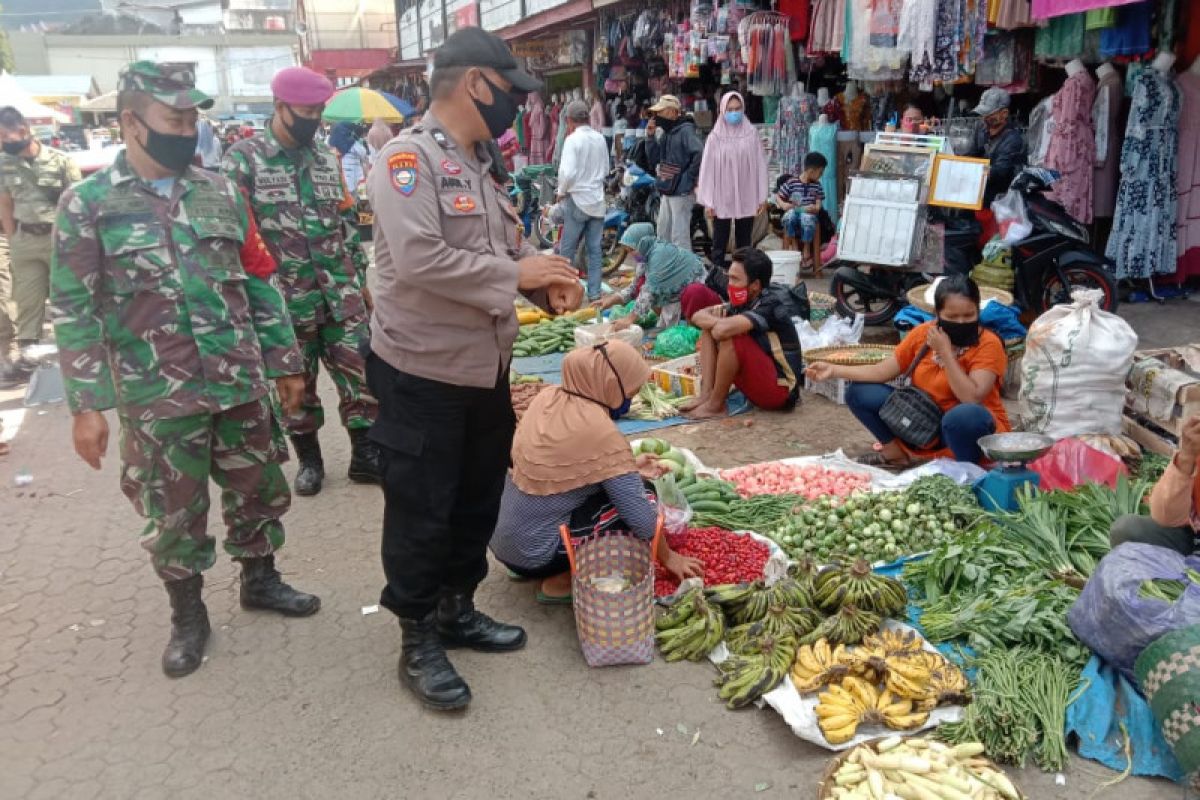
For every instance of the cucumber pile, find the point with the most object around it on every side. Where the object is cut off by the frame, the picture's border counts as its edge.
(546, 337)
(705, 495)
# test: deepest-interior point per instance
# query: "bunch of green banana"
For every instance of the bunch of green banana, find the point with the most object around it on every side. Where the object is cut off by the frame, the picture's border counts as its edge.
(697, 633)
(793, 593)
(750, 602)
(857, 585)
(850, 625)
(782, 620)
(745, 638)
(745, 678)
(804, 572)
(680, 611)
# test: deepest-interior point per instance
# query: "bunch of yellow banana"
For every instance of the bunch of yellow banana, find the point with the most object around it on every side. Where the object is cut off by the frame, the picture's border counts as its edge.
(841, 708)
(894, 642)
(926, 678)
(745, 678)
(690, 629)
(818, 665)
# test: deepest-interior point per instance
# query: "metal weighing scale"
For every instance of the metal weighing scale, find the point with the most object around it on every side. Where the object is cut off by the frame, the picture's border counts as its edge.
(998, 489)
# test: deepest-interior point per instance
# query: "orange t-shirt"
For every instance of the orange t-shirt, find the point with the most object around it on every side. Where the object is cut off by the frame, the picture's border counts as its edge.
(931, 378)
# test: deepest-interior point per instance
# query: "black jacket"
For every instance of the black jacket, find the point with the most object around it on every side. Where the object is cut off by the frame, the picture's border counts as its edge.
(1008, 153)
(676, 159)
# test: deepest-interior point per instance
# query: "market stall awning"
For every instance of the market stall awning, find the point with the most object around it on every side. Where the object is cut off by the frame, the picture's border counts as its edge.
(32, 110)
(104, 104)
(350, 63)
(568, 12)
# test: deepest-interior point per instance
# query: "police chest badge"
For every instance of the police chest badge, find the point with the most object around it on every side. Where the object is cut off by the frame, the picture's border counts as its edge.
(464, 204)
(403, 169)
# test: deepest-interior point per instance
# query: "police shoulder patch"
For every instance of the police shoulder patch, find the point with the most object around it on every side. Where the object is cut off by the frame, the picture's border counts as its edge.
(402, 167)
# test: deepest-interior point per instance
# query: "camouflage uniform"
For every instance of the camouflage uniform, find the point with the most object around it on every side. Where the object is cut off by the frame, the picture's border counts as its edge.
(6, 312)
(307, 220)
(35, 185)
(155, 316)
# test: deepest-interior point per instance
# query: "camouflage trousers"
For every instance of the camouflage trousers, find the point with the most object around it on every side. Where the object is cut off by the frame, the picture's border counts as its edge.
(7, 329)
(165, 466)
(336, 345)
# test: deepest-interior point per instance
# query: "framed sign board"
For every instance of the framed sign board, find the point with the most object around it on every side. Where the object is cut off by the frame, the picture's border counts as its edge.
(958, 182)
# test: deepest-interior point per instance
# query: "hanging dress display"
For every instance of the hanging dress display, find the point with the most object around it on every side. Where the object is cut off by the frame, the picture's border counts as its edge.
(1143, 241)
(828, 26)
(918, 37)
(1105, 113)
(796, 113)
(1062, 38)
(822, 138)
(1189, 176)
(1072, 149)
(539, 130)
(1013, 14)
(1131, 35)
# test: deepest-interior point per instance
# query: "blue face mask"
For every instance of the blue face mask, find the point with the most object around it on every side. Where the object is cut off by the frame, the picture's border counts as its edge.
(733, 117)
(621, 410)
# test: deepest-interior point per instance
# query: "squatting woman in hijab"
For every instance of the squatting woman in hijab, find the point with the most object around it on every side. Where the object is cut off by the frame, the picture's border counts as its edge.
(572, 466)
(733, 178)
(663, 272)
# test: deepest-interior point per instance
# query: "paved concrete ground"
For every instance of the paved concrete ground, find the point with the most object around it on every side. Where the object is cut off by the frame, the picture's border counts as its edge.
(312, 708)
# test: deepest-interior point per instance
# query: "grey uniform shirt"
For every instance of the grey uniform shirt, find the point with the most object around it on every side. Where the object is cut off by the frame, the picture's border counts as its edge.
(446, 247)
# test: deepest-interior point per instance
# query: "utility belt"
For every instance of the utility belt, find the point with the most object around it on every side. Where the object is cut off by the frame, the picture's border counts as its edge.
(35, 228)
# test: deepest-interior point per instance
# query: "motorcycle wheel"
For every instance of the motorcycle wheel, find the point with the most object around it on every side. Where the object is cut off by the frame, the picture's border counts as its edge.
(545, 231)
(1079, 276)
(851, 301)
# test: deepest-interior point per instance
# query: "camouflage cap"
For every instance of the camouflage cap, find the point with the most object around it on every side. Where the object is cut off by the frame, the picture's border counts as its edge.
(171, 84)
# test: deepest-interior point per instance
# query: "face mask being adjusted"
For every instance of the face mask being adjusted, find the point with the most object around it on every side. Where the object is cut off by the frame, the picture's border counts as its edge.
(499, 114)
(961, 334)
(16, 148)
(739, 296)
(173, 151)
(302, 129)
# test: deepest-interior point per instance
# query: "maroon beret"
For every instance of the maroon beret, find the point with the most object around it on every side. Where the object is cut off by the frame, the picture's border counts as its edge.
(300, 86)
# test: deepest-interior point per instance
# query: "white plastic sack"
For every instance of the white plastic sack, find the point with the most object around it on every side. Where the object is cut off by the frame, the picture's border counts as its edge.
(1011, 217)
(1073, 372)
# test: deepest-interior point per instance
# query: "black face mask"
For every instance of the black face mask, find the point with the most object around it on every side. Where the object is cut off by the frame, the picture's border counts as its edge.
(665, 122)
(500, 113)
(961, 334)
(16, 148)
(173, 151)
(302, 129)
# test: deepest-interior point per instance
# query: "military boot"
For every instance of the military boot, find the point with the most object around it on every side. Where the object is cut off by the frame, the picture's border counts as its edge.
(459, 624)
(189, 627)
(425, 669)
(312, 466)
(365, 463)
(263, 588)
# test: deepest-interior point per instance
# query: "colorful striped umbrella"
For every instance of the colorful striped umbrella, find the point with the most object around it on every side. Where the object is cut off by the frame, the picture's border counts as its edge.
(360, 105)
(403, 106)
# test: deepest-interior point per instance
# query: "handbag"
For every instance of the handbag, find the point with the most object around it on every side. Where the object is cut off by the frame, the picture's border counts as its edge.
(912, 414)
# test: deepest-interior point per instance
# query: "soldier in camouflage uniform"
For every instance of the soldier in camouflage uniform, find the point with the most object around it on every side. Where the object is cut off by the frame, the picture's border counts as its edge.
(165, 309)
(32, 177)
(308, 220)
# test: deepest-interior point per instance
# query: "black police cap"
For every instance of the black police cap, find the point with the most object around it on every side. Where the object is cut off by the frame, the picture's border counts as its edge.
(475, 47)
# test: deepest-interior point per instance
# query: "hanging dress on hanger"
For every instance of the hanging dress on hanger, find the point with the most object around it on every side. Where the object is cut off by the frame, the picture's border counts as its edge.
(796, 114)
(822, 138)
(1143, 241)
(1189, 177)
(1072, 149)
(1105, 113)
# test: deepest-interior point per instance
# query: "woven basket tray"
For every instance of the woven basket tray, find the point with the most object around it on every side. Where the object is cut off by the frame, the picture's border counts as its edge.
(849, 355)
(827, 782)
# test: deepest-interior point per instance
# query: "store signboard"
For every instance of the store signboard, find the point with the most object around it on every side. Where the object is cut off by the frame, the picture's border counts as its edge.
(462, 14)
(537, 48)
(497, 14)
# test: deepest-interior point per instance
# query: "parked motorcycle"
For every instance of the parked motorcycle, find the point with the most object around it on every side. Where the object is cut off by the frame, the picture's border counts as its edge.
(1048, 264)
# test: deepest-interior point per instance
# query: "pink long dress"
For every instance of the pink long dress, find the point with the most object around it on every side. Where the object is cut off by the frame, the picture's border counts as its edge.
(1072, 148)
(1188, 181)
(539, 131)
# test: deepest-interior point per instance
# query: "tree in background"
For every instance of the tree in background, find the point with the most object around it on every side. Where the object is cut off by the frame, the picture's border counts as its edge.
(6, 54)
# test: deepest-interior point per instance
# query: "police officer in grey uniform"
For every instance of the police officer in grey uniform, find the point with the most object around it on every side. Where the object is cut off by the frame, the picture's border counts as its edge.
(450, 260)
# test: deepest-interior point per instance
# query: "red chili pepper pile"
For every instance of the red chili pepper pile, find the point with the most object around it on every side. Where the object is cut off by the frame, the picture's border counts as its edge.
(727, 558)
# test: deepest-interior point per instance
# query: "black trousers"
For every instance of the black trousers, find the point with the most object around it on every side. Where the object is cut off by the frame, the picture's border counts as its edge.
(445, 453)
(743, 231)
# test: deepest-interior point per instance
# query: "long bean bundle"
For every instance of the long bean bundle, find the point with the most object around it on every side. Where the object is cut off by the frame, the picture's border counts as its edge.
(1020, 708)
(758, 513)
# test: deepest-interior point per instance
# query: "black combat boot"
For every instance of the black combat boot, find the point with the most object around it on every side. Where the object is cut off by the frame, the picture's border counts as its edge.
(425, 669)
(365, 464)
(460, 625)
(263, 588)
(189, 627)
(312, 466)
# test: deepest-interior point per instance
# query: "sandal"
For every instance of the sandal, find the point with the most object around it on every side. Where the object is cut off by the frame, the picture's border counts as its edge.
(554, 599)
(877, 459)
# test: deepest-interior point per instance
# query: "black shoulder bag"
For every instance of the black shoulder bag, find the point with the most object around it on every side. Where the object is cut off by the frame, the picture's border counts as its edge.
(912, 414)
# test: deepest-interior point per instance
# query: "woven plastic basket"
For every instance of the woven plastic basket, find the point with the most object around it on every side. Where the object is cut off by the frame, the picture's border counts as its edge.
(1168, 673)
(850, 354)
(614, 627)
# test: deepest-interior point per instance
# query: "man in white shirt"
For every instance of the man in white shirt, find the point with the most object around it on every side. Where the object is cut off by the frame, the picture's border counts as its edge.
(581, 175)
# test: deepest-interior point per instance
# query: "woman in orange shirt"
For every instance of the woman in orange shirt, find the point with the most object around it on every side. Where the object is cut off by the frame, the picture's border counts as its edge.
(1174, 519)
(960, 368)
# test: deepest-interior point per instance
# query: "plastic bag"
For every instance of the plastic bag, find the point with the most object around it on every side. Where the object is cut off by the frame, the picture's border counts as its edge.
(646, 322)
(589, 335)
(1074, 368)
(677, 341)
(673, 505)
(1011, 217)
(1111, 618)
(1070, 463)
(836, 330)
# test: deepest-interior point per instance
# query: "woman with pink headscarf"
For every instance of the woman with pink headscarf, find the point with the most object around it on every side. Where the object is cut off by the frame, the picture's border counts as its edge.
(733, 178)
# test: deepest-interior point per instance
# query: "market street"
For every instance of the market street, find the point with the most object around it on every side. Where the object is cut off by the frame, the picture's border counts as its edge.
(311, 708)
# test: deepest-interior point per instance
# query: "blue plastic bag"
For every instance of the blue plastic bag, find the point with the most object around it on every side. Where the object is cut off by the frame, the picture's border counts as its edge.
(1112, 619)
